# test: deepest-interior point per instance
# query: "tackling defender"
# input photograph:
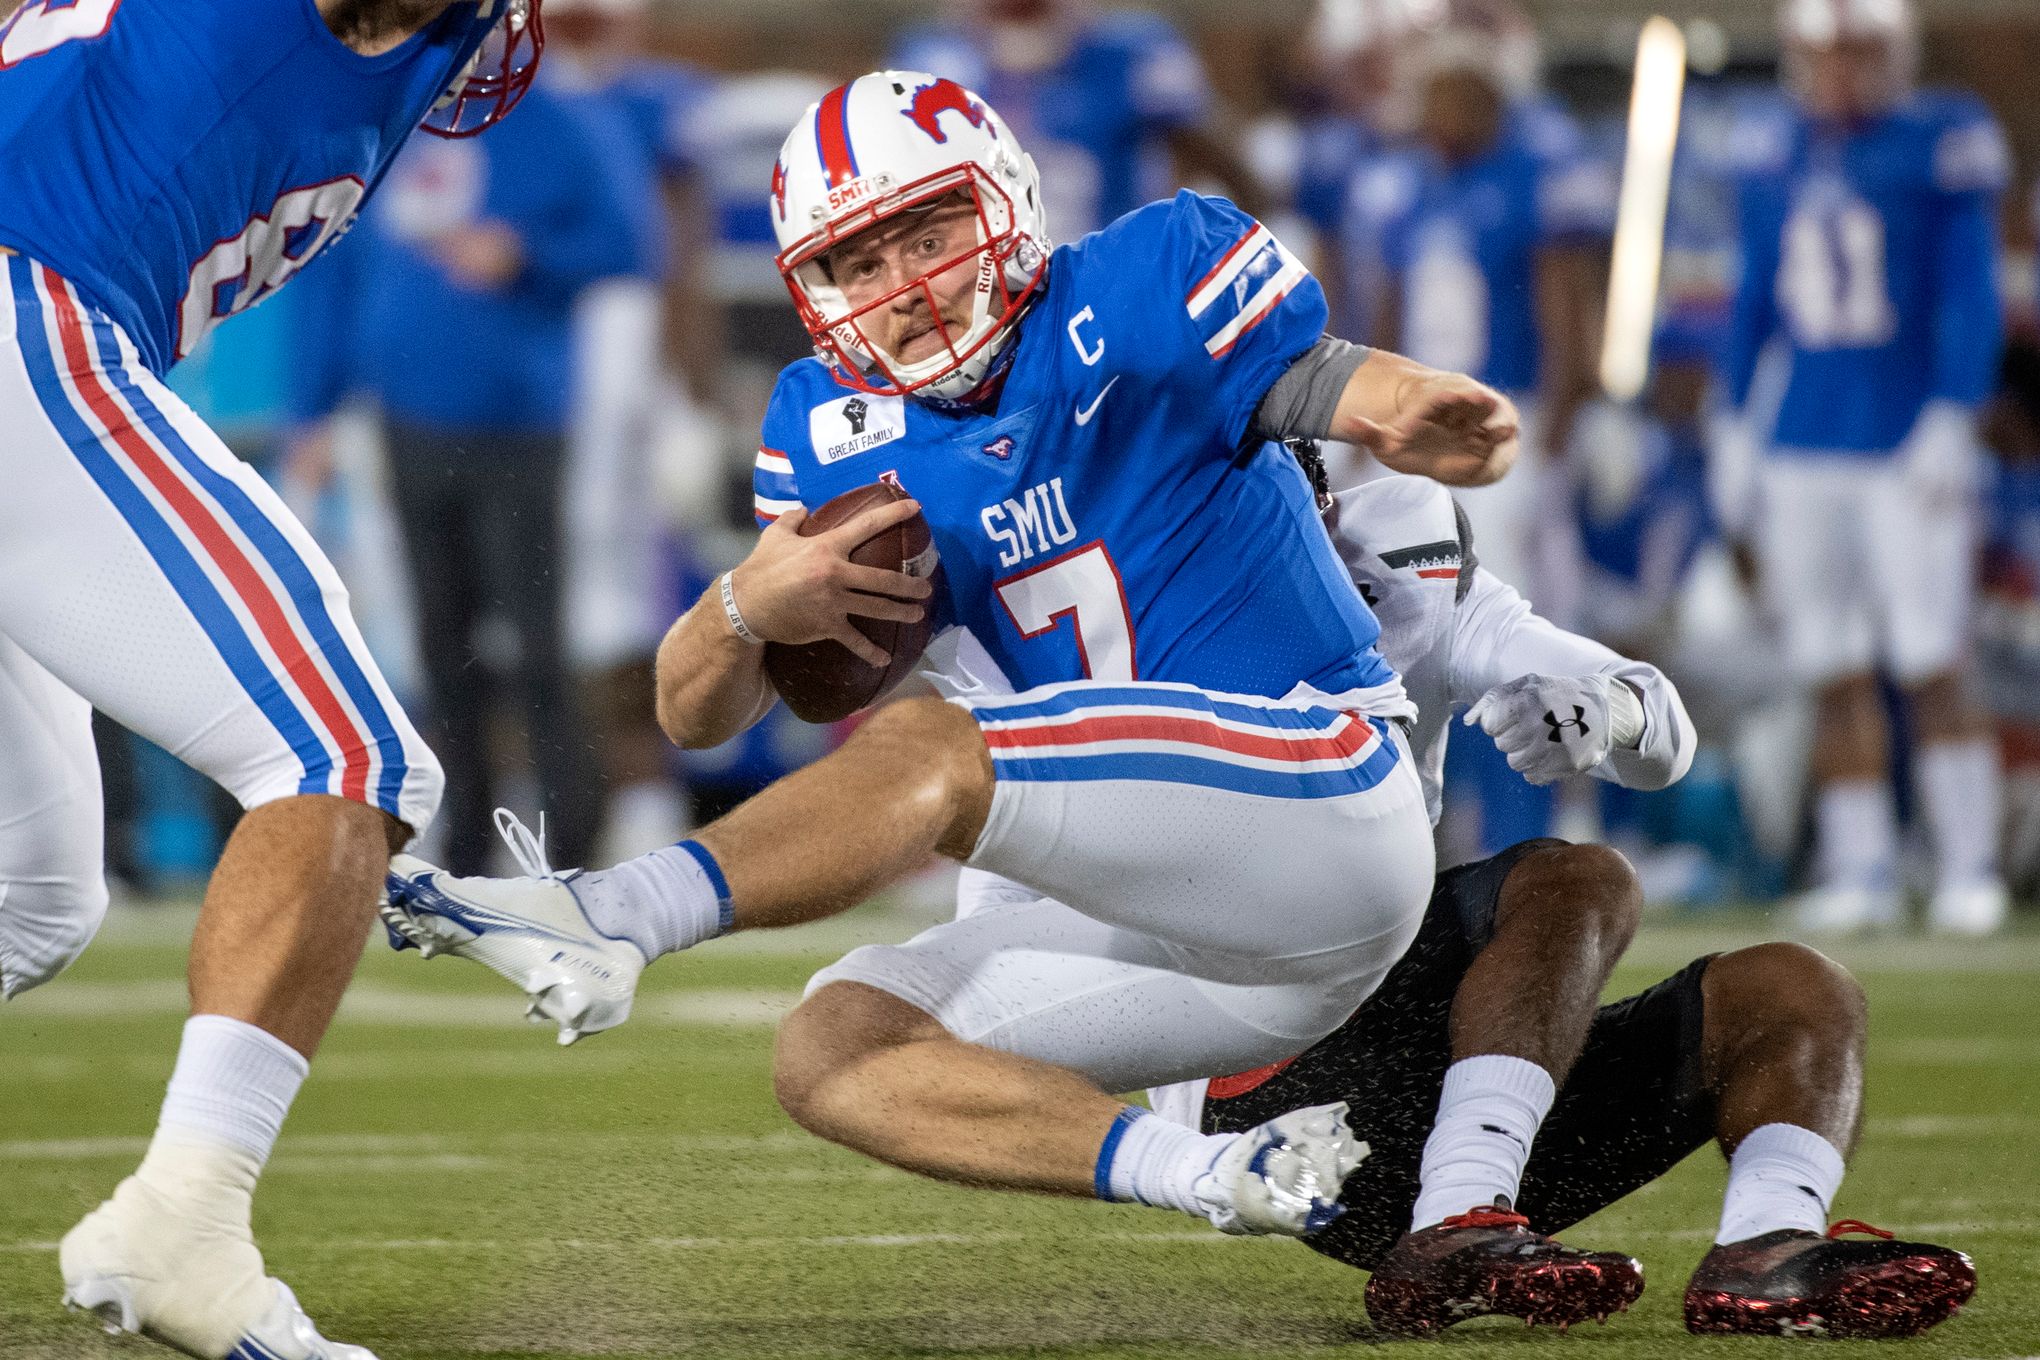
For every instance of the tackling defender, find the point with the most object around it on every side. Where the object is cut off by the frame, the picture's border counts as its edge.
(1204, 757)
(165, 164)
(1760, 1049)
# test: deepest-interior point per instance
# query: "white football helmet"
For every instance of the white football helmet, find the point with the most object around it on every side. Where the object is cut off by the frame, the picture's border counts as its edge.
(1493, 39)
(882, 145)
(1886, 34)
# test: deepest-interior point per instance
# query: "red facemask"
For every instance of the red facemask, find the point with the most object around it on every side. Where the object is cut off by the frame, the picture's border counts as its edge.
(501, 72)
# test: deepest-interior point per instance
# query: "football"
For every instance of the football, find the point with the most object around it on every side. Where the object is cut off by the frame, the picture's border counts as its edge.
(822, 681)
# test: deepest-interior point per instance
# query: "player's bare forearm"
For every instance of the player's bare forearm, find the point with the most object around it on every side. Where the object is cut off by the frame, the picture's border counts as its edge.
(373, 27)
(1425, 421)
(711, 683)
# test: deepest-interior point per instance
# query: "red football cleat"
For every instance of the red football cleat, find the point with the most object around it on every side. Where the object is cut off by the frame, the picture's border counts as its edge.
(1793, 1283)
(1489, 1262)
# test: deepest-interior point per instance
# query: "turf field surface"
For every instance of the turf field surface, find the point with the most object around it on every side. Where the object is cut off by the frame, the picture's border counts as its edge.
(452, 1185)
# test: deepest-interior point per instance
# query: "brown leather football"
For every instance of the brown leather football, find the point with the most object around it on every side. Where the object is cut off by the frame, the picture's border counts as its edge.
(822, 681)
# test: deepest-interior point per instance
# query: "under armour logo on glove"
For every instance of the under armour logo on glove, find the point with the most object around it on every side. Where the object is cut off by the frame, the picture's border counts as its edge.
(1522, 715)
(1578, 719)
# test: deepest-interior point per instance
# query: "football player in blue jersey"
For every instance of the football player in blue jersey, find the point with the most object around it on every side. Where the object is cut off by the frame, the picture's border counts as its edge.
(1490, 232)
(1351, 52)
(1868, 239)
(1115, 105)
(165, 164)
(1157, 673)
(648, 354)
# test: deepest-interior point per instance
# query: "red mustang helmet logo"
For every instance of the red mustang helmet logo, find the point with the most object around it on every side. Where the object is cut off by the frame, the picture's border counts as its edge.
(779, 187)
(938, 97)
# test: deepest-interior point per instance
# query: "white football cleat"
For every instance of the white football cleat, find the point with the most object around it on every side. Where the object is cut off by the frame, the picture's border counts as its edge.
(530, 930)
(1283, 1177)
(1844, 911)
(1970, 909)
(143, 1268)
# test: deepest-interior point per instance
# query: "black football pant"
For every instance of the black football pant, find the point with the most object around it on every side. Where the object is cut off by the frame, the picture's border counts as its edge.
(481, 516)
(1632, 1108)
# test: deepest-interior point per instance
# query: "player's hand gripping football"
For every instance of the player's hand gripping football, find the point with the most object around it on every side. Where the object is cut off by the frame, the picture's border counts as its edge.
(799, 590)
(1447, 427)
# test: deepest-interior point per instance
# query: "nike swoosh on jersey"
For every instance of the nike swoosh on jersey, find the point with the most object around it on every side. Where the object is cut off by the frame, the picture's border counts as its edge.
(1083, 415)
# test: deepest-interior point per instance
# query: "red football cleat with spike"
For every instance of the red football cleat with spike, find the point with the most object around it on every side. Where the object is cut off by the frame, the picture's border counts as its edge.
(1489, 1262)
(1793, 1283)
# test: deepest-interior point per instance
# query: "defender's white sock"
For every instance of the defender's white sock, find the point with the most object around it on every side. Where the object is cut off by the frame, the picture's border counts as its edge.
(1488, 1114)
(1781, 1176)
(1858, 835)
(232, 1086)
(663, 902)
(1960, 790)
(1146, 1159)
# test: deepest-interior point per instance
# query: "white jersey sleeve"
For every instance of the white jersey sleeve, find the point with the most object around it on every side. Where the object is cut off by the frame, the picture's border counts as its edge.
(1497, 637)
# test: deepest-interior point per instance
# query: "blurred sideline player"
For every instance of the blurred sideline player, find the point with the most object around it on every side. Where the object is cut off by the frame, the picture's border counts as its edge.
(648, 352)
(1115, 105)
(1356, 105)
(146, 571)
(1869, 248)
(1145, 724)
(452, 307)
(1491, 234)
(734, 132)
(1761, 1047)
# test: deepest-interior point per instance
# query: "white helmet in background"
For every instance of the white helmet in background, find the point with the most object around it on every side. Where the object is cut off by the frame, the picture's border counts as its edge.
(886, 144)
(1355, 46)
(1871, 49)
(1492, 39)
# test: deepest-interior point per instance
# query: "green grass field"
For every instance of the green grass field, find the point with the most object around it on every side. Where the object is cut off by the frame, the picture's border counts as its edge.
(453, 1185)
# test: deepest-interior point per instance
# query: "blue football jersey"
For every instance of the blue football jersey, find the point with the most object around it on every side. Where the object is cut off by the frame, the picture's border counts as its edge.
(1871, 252)
(1111, 517)
(1331, 149)
(1094, 119)
(179, 160)
(1696, 287)
(1459, 243)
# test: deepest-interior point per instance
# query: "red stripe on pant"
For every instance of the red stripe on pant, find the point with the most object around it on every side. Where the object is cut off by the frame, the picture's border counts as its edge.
(240, 573)
(1343, 744)
(1238, 1084)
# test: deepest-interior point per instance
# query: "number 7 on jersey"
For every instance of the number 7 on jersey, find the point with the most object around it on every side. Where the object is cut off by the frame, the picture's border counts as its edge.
(40, 27)
(1082, 584)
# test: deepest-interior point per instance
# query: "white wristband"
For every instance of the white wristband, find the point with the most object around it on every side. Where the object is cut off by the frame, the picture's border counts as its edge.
(1625, 714)
(727, 589)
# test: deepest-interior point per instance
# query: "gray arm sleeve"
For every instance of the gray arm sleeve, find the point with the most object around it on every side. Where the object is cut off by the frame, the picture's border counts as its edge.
(1303, 400)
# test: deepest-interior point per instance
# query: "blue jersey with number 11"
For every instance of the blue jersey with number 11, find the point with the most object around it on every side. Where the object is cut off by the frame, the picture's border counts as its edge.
(179, 160)
(1111, 516)
(1871, 252)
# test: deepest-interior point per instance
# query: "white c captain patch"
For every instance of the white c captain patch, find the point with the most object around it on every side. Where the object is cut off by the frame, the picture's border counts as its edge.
(849, 425)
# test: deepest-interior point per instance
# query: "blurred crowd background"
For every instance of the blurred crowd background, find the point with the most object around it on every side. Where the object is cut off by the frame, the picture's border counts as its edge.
(519, 403)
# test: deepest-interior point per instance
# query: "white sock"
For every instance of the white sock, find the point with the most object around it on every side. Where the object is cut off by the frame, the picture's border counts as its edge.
(1487, 1116)
(233, 1084)
(1960, 790)
(669, 900)
(1146, 1159)
(1858, 835)
(1781, 1176)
